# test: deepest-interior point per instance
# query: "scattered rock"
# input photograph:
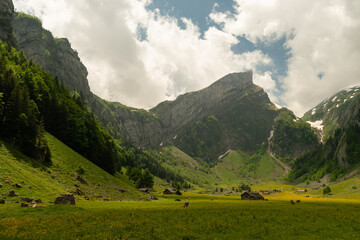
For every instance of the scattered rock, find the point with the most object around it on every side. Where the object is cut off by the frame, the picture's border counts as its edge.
(0, 185)
(87, 198)
(30, 187)
(292, 202)
(76, 185)
(16, 185)
(7, 179)
(177, 200)
(32, 205)
(12, 194)
(28, 200)
(78, 192)
(38, 201)
(106, 200)
(81, 180)
(152, 197)
(307, 196)
(67, 199)
(297, 201)
(22, 182)
(2, 201)
(53, 177)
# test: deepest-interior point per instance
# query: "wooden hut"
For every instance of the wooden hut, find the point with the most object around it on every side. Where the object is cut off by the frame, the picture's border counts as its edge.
(251, 196)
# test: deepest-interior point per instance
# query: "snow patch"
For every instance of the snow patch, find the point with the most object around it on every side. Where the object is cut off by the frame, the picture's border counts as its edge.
(277, 106)
(345, 100)
(334, 98)
(161, 144)
(337, 105)
(175, 137)
(351, 97)
(313, 111)
(317, 124)
(225, 154)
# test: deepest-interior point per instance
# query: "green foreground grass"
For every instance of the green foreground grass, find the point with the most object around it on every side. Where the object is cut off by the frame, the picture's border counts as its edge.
(224, 218)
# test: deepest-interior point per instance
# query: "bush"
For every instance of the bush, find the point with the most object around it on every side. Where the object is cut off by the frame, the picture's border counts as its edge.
(326, 190)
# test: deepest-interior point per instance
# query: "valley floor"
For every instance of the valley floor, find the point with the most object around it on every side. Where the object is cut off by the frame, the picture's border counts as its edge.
(219, 218)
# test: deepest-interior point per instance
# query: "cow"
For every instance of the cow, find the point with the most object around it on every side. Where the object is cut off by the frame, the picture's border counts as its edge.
(186, 203)
(297, 201)
(292, 202)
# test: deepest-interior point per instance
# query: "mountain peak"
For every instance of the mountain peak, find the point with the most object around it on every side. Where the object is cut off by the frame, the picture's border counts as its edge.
(235, 80)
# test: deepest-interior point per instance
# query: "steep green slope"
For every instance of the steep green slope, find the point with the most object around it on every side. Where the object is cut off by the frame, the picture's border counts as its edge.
(69, 172)
(291, 136)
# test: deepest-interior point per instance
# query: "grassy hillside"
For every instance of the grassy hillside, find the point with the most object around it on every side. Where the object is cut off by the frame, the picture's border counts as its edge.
(232, 170)
(239, 167)
(48, 181)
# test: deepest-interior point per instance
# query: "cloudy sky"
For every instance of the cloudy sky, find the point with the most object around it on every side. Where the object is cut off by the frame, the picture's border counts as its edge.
(141, 52)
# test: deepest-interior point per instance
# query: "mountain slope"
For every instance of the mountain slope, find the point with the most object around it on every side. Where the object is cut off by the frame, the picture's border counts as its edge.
(340, 152)
(61, 177)
(235, 102)
(334, 112)
(6, 22)
(54, 55)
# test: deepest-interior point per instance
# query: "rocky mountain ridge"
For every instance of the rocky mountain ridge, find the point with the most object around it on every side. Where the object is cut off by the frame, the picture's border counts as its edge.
(54, 55)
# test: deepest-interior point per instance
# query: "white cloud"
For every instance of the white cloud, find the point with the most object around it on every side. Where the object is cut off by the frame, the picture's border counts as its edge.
(323, 37)
(171, 60)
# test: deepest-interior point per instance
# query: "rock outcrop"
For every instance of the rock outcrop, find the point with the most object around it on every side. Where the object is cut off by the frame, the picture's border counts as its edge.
(6, 22)
(66, 199)
(54, 55)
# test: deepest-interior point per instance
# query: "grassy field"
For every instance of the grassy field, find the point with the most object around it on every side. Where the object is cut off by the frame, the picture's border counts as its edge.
(222, 218)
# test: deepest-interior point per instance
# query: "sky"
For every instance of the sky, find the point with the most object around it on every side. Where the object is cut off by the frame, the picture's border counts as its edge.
(142, 52)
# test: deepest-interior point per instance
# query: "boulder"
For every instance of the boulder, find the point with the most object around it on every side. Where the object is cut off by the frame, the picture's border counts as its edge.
(2, 201)
(12, 194)
(16, 185)
(66, 199)
(152, 197)
(38, 201)
(28, 200)
(81, 180)
(78, 192)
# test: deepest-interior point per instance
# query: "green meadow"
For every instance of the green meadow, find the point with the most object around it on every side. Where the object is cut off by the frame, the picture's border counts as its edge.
(220, 218)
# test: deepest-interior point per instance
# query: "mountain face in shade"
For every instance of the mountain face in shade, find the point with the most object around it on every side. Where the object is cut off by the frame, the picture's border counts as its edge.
(6, 22)
(54, 55)
(232, 113)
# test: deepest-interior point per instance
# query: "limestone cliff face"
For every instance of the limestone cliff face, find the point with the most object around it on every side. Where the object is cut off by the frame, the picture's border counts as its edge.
(135, 126)
(190, 106)
(54, 55)
(6, 22)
